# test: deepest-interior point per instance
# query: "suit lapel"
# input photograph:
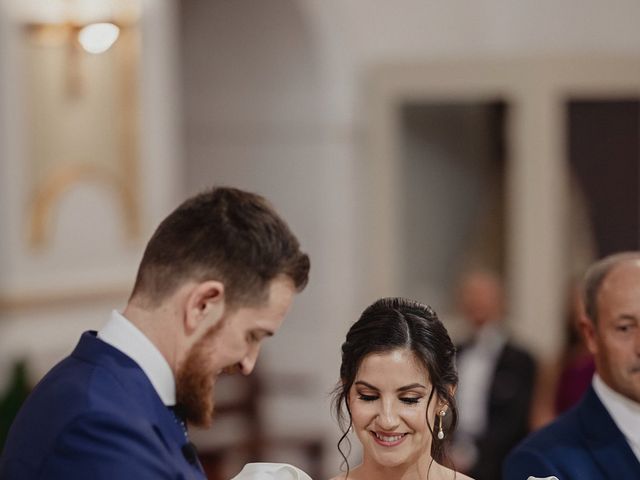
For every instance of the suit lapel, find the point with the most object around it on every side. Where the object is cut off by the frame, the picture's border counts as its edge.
(606, 442)
(134, 381)
(138, 387)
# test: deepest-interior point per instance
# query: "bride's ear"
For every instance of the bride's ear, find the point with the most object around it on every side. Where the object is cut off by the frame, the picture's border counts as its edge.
(452, 392)
(442, 406)
(442, 403)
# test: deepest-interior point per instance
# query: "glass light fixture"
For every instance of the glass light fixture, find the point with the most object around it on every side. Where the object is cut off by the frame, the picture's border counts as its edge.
(98, 37)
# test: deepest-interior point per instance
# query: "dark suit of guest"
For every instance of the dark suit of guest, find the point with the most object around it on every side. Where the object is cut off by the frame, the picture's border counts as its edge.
(96, 416)
(582, 444)
(507, 417)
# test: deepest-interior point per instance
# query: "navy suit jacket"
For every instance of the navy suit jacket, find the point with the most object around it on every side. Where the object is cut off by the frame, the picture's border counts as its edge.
(95, 416)
(582, 444)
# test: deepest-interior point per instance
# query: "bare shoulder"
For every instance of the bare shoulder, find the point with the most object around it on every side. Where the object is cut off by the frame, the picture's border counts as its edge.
(354, 474)
(449, 474)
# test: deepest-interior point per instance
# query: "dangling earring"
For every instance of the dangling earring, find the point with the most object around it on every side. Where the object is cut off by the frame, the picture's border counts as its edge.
(441, 415)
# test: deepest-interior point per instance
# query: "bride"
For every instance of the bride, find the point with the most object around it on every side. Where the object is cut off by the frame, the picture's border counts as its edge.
(397, 381)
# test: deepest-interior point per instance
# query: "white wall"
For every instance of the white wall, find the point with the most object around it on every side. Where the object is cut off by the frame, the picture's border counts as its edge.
(49, 296)
(275, 95)
(255, 113)
(274, 98)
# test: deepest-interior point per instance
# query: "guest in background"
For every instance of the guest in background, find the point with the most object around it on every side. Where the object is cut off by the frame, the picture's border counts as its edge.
(598, 439)
(562, 383)
(496, 381)
(397, 381)
(216, 279)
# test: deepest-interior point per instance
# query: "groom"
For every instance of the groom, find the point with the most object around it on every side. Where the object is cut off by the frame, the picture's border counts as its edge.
(216, 278)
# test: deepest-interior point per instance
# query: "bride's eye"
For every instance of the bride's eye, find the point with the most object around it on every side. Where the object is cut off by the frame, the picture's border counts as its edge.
(367, 398)
(410, 400)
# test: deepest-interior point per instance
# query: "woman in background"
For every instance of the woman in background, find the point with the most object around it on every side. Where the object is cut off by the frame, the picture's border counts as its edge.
(398, 379)
(563, 381)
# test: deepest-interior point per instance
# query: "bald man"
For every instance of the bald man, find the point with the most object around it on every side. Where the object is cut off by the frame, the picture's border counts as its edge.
(598, 439)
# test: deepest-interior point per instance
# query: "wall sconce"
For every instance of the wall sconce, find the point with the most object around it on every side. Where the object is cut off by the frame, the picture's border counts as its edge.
(91, 26)
(98, 37)
(81, 97)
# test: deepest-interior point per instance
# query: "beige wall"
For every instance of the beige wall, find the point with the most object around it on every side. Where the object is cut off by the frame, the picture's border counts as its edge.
(274, 97)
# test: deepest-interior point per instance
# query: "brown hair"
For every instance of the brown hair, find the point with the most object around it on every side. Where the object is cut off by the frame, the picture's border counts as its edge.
(223, 234)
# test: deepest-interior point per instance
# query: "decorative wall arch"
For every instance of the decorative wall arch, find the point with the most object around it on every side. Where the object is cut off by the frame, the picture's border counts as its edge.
(56, 185)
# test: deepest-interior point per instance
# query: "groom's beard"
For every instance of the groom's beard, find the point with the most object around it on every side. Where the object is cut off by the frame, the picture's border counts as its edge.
(196, 379)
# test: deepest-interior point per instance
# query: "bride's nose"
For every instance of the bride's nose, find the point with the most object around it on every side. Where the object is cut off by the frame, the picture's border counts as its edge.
(387, 418)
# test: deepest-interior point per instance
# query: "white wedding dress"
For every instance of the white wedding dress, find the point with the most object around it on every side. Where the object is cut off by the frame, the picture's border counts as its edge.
(284, 471)
(271, 471)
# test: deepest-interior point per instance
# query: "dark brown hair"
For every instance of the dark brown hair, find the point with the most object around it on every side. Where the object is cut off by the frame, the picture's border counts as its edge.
(222, 234)
(398, 323)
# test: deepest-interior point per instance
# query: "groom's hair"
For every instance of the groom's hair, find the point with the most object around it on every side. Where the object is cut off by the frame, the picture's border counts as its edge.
(223, 234)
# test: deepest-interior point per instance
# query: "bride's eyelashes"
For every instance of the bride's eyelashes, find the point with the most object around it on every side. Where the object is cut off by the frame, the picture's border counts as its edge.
(367, 398)
(407, 400)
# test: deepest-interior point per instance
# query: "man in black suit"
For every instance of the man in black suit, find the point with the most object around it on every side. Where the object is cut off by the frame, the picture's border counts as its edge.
(496, 381)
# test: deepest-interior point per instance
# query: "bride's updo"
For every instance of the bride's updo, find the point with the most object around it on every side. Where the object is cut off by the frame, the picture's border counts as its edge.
(397, 323)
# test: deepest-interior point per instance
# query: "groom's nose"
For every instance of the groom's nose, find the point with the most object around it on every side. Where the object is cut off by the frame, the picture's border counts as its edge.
(248, 363)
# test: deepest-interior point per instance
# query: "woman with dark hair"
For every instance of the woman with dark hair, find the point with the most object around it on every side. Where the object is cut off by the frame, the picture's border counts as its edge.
(397, 382)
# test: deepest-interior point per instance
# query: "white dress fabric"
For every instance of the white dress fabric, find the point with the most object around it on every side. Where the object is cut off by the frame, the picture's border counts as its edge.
(271, 471)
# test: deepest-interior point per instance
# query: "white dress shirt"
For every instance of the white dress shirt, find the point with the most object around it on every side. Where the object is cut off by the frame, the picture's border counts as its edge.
(476, 367)
(624, 411)
(120, 333)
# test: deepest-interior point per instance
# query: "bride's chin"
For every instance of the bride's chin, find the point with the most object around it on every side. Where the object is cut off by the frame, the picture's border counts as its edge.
(387, 462)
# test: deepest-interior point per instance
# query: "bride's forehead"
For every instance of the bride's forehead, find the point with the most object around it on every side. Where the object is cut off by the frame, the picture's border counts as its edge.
(398, 362)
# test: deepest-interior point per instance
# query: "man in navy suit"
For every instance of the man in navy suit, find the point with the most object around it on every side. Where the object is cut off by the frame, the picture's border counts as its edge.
(216, 278)
(599, 438)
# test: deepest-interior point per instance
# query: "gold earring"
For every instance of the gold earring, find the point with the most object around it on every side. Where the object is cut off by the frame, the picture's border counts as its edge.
(441, 414)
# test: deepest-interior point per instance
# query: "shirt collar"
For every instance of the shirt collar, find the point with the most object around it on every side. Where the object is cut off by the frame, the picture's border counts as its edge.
(490, 339)
(624, 411)
(120, 333)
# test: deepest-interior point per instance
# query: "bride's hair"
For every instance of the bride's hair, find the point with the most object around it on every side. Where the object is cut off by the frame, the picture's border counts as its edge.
(391, 324)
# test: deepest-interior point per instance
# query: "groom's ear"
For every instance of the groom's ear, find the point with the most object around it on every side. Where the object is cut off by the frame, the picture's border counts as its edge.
(205, 306)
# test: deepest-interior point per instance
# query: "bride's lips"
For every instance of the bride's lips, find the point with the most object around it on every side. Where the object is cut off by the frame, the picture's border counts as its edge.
(388, 439)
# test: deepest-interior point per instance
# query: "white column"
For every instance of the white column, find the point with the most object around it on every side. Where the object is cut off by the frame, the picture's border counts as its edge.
(536, 191)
